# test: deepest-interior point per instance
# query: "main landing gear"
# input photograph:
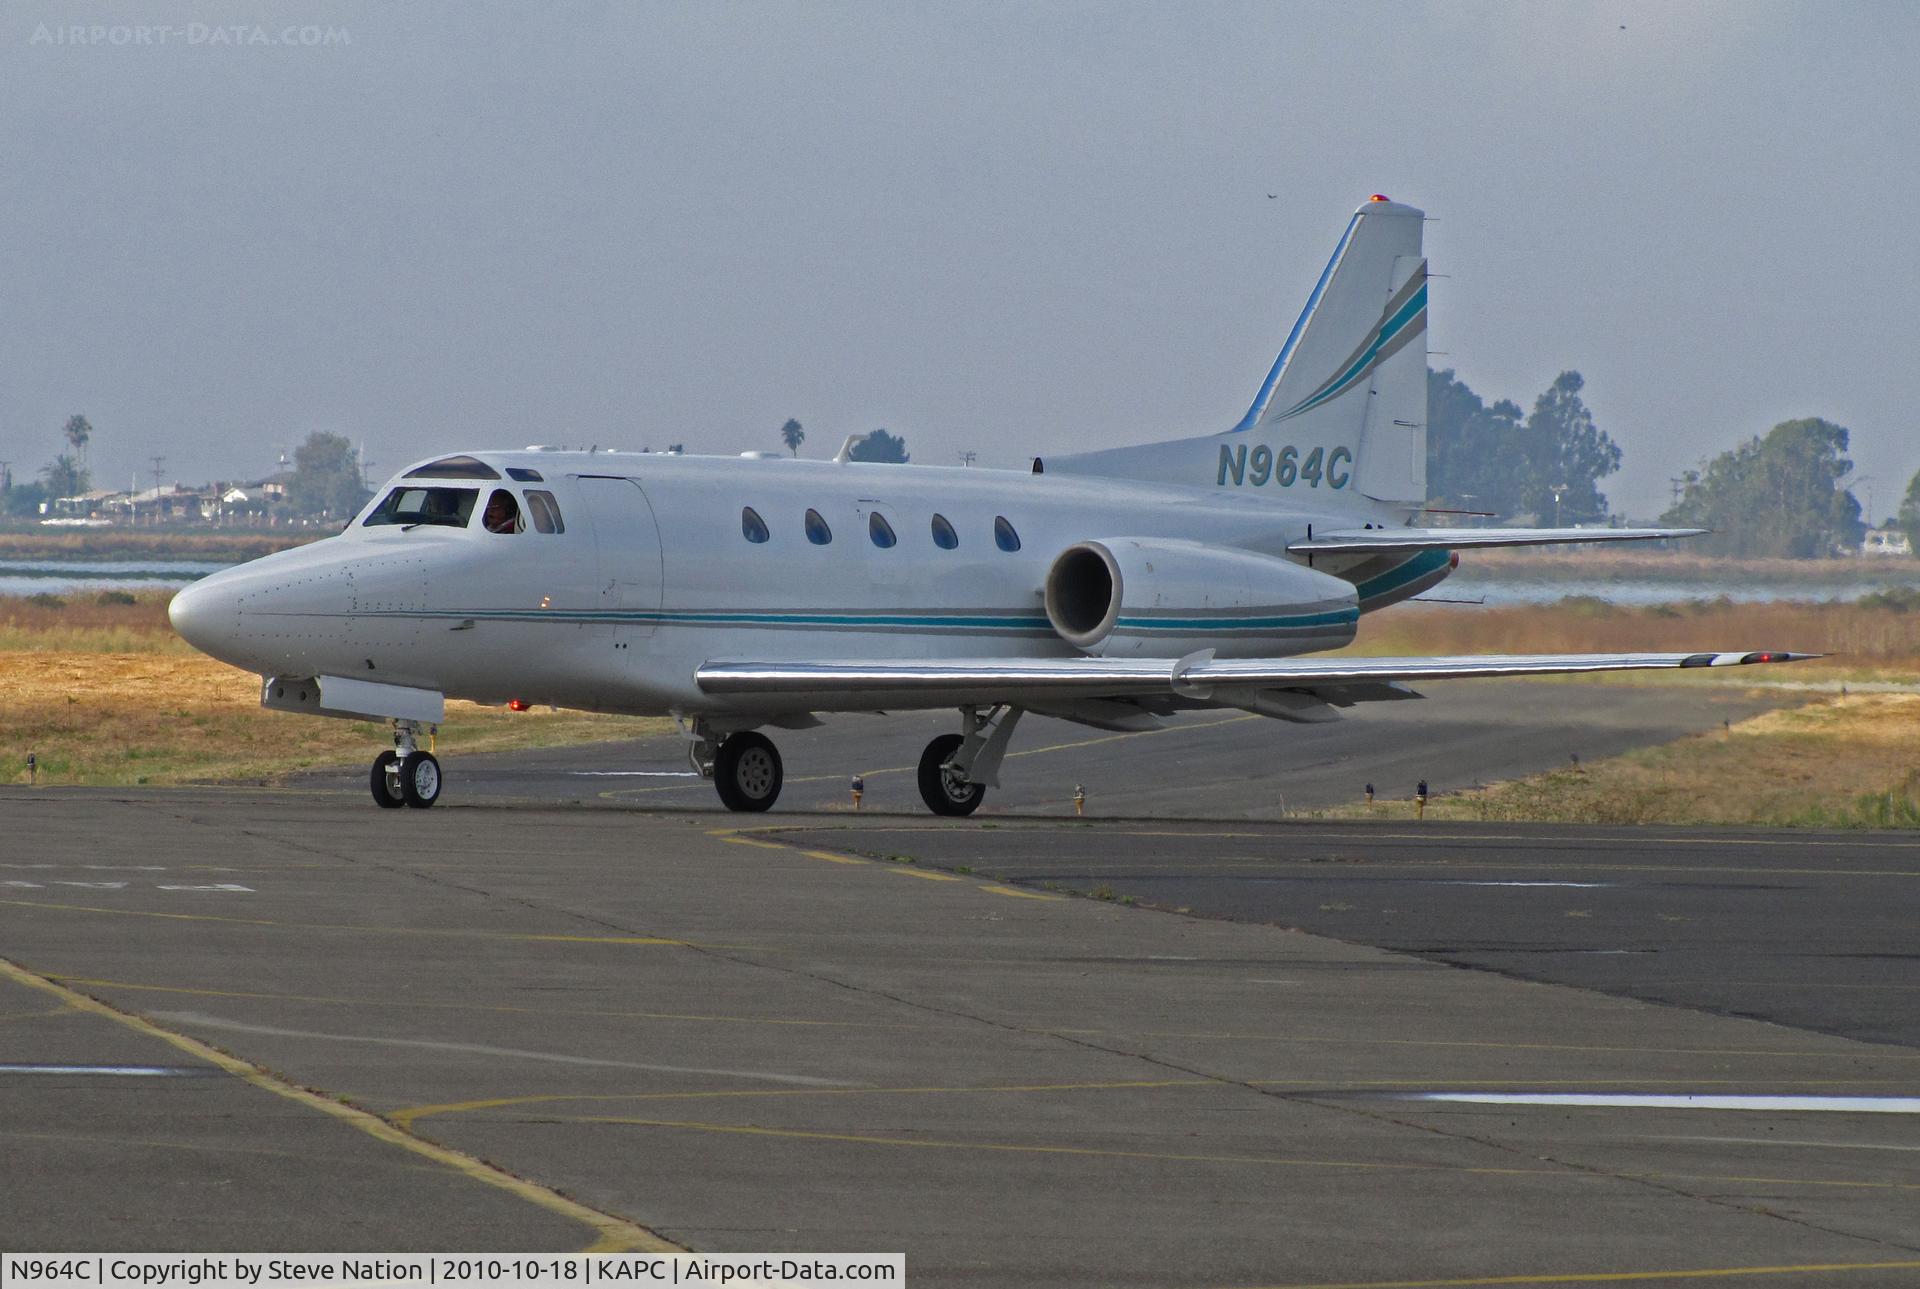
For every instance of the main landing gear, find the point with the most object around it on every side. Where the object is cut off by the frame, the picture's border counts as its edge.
(747, 771)
(406, 776)
(744, 765)
(955, 770)
(945, 790)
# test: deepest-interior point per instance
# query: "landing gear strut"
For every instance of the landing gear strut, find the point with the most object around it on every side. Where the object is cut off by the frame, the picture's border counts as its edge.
(406, 776)
(957, 769)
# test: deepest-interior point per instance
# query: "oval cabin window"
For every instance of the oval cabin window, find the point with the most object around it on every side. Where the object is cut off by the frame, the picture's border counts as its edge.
(943, 535)
(752, 527)
(880, 530)
(1003, 535)
(817, 531)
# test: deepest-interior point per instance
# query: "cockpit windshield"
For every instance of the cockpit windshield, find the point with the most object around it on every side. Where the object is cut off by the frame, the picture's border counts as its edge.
(407, 506)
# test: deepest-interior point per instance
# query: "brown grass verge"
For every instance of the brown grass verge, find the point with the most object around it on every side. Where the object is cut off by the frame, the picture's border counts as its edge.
(178, 717)
(1838, 763)
(156, 544)
(1861, 640)
(1641, 563)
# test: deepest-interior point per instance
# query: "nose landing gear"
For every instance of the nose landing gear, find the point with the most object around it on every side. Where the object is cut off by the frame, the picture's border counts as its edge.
(406, 776)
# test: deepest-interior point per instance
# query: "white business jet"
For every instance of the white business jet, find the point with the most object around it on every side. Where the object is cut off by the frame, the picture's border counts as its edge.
(1113, 588)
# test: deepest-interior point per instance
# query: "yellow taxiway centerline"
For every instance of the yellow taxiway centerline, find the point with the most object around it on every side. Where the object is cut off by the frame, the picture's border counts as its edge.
(613, 1234)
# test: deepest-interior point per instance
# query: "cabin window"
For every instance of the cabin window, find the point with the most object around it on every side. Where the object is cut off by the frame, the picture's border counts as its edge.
(454, 468)
(752, 527)
(1003, 535)
(523, 474)
(502, 514)
(817, 531)
(407, 507)
(545, 511)
(943, 535)
(880, 530)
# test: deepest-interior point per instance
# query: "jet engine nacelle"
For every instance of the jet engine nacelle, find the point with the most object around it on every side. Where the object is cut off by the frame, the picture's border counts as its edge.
(1163, 598)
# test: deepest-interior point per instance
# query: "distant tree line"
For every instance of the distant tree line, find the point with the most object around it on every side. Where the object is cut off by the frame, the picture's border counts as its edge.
(1545, 465)
(65, 476)
(1782, 495)
(879, 445)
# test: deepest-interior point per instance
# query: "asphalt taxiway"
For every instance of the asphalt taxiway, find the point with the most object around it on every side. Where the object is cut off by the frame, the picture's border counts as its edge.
(522, 1027)
(1203, 766)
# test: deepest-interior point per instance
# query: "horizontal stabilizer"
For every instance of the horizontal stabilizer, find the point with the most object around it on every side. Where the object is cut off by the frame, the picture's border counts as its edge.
(1036, 681)
(1384, 541)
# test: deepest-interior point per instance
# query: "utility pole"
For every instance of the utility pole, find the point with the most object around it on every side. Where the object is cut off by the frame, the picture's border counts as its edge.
(968, 458)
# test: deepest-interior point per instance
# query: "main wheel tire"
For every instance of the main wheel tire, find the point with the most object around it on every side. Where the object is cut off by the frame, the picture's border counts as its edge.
(747, 772)
(385, 783)
(943, 793)
(420, 779)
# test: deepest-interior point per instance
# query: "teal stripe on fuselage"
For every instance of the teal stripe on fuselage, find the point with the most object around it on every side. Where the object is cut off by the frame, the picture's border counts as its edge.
(893, 621)
(1422, 565)
(1341, 617)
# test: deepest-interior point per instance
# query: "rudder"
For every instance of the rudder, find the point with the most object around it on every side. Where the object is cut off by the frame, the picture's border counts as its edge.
(1341, 417)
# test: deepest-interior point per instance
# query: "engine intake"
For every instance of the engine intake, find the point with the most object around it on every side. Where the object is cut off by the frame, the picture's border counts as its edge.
(1164, 598)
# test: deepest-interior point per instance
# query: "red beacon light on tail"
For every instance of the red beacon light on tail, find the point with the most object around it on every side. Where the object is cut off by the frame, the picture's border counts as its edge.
(519, 705)
(1379, 197)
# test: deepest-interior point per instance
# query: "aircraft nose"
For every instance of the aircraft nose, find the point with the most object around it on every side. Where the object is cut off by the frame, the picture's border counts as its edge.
(206, 615)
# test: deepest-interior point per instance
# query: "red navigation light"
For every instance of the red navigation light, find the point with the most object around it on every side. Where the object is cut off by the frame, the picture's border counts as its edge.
(519, 705)
(1379, 197)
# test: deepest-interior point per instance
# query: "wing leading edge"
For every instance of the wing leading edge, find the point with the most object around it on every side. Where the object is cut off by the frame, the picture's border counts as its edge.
(1026, 680)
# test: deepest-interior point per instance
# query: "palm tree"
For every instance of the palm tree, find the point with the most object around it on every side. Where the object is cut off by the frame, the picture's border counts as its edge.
(65, 477)
(792, 435)
(78, 432)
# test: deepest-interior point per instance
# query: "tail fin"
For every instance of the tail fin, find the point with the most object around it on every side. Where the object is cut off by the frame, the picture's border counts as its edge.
(1342, 416)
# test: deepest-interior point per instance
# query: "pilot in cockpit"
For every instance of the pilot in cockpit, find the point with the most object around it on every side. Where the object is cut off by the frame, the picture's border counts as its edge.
(502, 514)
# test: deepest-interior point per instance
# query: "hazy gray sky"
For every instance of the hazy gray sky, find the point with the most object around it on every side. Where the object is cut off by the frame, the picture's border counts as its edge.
(1009, 228)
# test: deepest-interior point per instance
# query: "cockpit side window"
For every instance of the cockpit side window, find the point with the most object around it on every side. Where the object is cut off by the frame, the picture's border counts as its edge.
(502, 514)
(545, 511)
(414, 505)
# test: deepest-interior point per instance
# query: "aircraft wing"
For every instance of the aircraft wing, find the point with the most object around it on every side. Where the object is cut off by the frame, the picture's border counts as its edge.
(1025, 681)
(1386, 541)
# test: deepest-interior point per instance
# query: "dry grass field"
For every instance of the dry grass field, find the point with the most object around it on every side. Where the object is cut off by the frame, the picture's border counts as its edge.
(105, 693)
(1843, 762)
(1864, 641)
(232, 544)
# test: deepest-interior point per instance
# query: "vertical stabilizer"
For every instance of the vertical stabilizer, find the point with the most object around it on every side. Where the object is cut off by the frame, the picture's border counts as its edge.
(1341, 417)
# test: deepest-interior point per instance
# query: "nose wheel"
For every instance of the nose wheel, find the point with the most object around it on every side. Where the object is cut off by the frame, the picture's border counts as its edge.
(747, 772)
(405, 776)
